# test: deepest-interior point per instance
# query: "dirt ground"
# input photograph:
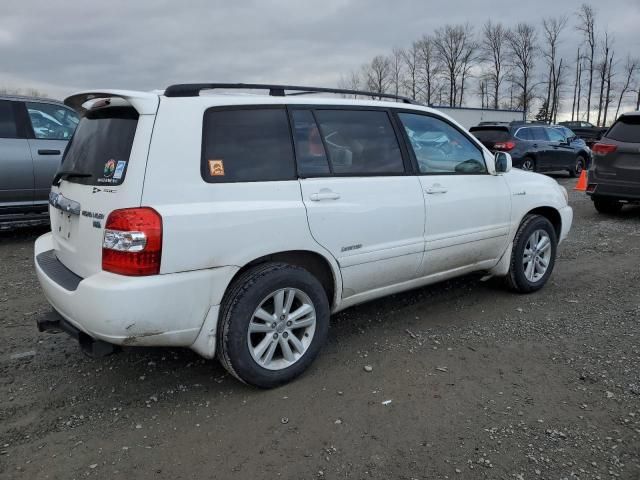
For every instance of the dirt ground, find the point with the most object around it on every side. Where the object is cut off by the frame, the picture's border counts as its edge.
(468, 381)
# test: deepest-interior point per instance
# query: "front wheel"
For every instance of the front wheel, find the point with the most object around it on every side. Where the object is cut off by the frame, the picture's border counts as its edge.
(273, 322)
(533, 255)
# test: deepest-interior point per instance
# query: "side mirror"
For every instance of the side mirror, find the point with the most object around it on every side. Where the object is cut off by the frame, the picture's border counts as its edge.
(503, 162)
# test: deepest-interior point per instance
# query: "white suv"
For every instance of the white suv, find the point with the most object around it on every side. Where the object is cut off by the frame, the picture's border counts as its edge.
(237, 224)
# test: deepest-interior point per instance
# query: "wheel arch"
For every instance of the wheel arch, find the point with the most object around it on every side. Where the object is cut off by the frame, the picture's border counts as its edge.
(315, 263)
(551, 214)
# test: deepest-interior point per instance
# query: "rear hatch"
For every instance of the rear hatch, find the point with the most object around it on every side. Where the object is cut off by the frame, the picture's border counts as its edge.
(102, 170)
(492, 135)
(621, 164)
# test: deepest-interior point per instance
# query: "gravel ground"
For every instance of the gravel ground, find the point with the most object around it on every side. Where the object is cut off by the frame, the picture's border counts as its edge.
(465, 381)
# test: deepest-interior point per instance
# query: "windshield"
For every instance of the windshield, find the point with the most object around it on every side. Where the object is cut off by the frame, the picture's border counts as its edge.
(101, 146)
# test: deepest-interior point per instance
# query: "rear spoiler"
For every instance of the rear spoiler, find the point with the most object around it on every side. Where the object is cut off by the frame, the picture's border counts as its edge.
(145, 103)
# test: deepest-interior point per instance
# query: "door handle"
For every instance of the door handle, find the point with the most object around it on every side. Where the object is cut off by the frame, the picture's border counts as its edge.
(324, 194)
(48, 152)
(435, 190)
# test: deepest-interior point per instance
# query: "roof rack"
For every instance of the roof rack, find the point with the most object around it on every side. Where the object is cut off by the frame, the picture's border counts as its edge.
(193, 90)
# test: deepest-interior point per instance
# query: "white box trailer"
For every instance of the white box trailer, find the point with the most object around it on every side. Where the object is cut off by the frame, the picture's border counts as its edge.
(469, 116)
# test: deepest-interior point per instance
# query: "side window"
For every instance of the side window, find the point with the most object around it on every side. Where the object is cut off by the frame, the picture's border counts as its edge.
(247, 145)
(524, 134)
(440, 147)
(51, 122)
(555, 135)
(538, 133)
(7, 120)
(310, 154)
(360, 142)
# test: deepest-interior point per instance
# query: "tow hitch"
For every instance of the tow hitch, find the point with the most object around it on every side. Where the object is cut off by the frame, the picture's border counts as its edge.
(53, 322)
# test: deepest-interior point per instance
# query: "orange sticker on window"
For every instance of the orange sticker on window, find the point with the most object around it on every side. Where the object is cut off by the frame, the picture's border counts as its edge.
(216, 168)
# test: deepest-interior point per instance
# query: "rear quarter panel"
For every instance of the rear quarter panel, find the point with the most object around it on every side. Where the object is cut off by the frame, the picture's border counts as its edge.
(208, 225)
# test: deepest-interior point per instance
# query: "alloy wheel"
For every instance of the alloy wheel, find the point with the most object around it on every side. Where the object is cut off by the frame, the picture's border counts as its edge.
(281, 329)
(537, 255)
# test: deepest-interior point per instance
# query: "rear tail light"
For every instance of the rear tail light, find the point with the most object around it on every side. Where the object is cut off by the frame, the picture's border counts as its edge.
(603, 148)
(132, 243)
(505, 146)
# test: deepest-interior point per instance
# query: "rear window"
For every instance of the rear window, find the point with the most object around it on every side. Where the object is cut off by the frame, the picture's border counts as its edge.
(247, 145)
(491, 134)
(626, 129)
(101, 146)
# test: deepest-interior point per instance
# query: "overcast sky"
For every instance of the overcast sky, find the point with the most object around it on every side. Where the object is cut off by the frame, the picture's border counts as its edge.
(68, 45)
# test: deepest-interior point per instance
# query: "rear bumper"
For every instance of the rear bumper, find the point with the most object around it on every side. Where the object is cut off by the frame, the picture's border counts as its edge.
(598, 187)
(158, 310)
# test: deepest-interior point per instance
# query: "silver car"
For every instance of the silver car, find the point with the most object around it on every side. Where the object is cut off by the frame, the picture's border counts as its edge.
(34, 133)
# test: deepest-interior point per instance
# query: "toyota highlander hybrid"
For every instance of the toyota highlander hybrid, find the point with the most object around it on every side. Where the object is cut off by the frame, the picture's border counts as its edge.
(236, 224)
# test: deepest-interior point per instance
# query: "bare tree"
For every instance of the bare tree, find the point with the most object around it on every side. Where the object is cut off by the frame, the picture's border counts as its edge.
(429, 67)
(552, 27)
(452, 43)
(492, 48)
(522, 48)
(378, 74)
(630, 69)
(411, 58)
(602, 69)
(557, 83)
(396, 67)
(607, 100)
(469, 59)
(587, 17)
(575, 87)
(352, 81)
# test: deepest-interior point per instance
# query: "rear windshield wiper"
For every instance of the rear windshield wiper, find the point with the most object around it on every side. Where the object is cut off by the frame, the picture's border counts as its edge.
(66, 174)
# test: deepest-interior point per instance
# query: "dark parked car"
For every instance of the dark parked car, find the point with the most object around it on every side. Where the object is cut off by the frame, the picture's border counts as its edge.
(585, 130)
(614, 176)
(536, 147)
(33, 135)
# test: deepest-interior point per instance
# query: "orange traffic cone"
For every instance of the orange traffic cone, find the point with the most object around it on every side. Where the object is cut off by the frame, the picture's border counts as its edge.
(582, 182)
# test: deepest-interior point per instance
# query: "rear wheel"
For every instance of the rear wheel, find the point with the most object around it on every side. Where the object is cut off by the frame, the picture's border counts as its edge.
(578, 166)
(533, 255)
(606, 206)
(273, 322)
(529, 164)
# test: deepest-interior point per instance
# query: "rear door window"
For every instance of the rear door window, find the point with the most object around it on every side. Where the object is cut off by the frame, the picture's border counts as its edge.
(538, 133)
(626, 129)
(247, 145)
(101, 146)
(360, 142)
(8, 127)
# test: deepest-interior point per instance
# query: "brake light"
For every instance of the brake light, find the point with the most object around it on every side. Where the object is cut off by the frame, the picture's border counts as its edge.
(132, 243)
(505, 146)
(603, 148)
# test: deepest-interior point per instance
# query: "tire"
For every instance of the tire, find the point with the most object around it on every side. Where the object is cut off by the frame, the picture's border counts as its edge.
(257, 288)
(608, 207)
(579, 165)
(518, 278)
(528, 164)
